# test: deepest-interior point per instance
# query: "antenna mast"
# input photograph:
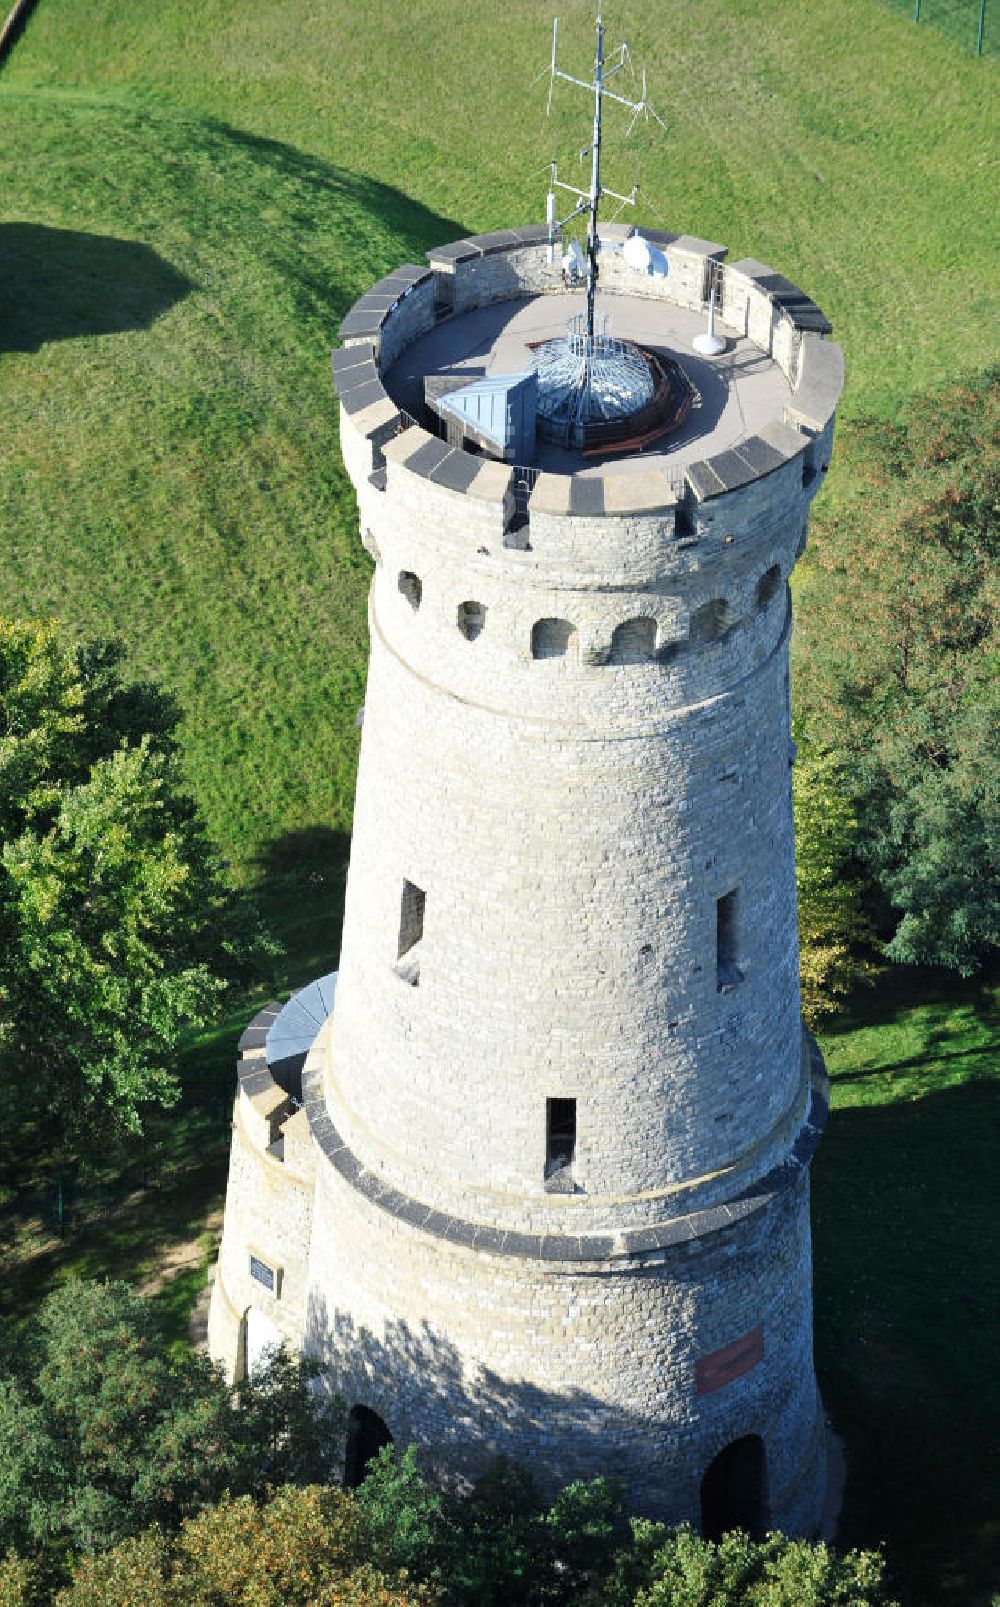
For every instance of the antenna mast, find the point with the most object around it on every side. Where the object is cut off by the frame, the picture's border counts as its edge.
(589, 200)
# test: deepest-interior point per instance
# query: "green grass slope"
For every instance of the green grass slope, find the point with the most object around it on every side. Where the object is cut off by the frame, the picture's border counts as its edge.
(170, 467)
(905, 1201)
(839, 142)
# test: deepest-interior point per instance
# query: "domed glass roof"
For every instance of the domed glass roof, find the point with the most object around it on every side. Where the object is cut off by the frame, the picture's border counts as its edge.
(585, 381)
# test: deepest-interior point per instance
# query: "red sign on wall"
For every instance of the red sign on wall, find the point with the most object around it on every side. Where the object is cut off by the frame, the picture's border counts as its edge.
(732, 1361)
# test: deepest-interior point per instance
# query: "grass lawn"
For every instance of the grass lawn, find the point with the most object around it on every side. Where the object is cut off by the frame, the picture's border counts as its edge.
(905, 1199)
(190, 197)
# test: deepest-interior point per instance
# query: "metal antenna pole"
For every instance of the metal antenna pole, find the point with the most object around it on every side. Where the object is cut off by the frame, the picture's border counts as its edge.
(587, 201)
(595, 181)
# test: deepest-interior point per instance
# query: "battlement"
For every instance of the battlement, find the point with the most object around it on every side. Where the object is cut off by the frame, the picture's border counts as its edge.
(678, 493)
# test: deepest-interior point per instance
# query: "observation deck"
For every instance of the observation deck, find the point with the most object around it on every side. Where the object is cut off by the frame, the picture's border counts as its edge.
(485, 304)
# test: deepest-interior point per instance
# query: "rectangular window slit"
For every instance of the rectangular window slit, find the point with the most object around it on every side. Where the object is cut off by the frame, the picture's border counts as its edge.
(560, 1144)
(728, 973)
(411, 932)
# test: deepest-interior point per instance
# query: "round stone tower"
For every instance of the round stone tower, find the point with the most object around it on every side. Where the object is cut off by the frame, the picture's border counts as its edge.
(551, 1194)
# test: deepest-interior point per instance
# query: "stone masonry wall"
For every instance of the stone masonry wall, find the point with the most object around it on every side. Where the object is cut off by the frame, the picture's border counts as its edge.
(575, 1371)
(269, 1204)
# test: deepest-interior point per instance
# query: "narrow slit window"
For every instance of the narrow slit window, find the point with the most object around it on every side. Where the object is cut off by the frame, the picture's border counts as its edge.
(471, 619)
(767, 586)
(411, 932)
(560, 1144)
(727, 941)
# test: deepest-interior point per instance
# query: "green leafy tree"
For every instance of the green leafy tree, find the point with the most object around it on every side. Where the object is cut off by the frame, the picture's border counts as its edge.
(117, 930)
(498, 1545)
(299, 1548)
(288, 1425)
(676, 1568)
(584, 1523)
(19, 1583)
(500, 1550)
(405, 1517)
(102, 1431)
(897, 639)
(834, 929)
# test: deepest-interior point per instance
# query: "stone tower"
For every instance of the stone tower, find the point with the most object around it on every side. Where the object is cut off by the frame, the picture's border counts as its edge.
(541, 1183)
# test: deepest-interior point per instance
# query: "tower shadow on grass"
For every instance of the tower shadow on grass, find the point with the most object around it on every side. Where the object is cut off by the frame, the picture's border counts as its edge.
(61, 284)
(299, 888)
(904, 1202)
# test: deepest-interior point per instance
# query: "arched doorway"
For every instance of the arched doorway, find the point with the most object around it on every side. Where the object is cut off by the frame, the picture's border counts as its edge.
(366, 1435)
(734, 1490)
(259, 1335)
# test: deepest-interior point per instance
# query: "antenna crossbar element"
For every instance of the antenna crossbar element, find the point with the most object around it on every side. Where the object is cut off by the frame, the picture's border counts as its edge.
(589, 200)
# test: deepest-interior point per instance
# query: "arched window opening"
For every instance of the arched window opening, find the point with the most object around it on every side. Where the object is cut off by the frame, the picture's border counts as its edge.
(710, 621)
(633, 642)
(366, 1435)
(767, 585)
(734, 1490)
(471, 619)
(552, 638)
(411, 587)
(260, 1338)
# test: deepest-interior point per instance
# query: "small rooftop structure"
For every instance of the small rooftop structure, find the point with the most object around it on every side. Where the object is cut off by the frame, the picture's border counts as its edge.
(292, 1035)
(496, 415)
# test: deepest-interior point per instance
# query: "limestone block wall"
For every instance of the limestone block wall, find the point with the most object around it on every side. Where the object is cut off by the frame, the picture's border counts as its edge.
(572, 824)
(569, 947)
(576, 1367)
(269, 1201)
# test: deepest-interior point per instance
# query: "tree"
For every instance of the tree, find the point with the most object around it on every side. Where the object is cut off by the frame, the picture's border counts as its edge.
(300, 1548)
(833, 926)
(117, 930)
(405, 1518)
(898, 649)
(102, 1432)
(676, 1568)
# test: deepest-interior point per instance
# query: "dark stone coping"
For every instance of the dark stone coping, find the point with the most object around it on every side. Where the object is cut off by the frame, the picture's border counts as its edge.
(347, 358)
(457, 471)
(803, 312)
(486, 245)
(739, 465)
(370, 311)
(586, 496)
(443, 464)
(568, 1247)
(659, 237)
(732, 469)
(760, 455)
(357, 382)
(255, 1075)
(429, 457)
(361, 396)
(364, 318)
(703, 482)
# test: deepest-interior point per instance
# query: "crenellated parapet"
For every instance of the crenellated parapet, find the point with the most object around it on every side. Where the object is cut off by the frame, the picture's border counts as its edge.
(764, 307)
